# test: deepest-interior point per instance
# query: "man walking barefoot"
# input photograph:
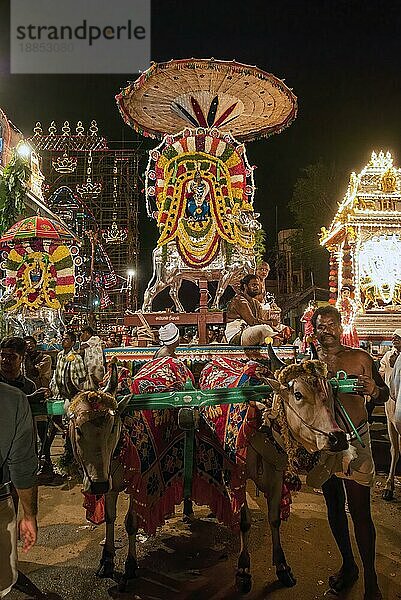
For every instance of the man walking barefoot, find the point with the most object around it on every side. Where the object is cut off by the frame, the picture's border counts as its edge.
(359, 477)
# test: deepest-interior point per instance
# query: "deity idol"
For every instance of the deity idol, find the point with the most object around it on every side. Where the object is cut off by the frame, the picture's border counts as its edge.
(348, 309)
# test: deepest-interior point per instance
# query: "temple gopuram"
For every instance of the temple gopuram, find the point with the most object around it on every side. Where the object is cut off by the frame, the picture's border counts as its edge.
(364, 242)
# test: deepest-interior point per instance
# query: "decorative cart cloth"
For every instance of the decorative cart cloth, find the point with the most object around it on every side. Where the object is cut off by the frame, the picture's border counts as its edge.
(157, 445)
(221, 442)
(224, 438)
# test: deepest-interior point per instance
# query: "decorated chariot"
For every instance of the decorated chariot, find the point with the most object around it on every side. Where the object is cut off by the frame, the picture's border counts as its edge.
(364, 241)
(178, 441)
(39, 274)
(199, 183)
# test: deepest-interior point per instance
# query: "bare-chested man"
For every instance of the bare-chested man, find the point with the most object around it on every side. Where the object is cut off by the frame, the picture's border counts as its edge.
(246, 323)
(359, 477)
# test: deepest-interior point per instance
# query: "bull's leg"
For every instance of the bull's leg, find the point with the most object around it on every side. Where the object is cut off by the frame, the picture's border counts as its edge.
(150, 294)
(223, 282)
(174, 289)
(106, 567)
(243, 577)
(188, 511)
(388, 492)
(272, 487)
(131, 527)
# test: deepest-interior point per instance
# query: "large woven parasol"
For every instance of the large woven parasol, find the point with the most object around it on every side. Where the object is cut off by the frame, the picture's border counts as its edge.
(230, 96)
(36, 227)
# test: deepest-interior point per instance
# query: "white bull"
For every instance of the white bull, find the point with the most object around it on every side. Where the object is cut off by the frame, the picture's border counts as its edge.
(393, 413)
(227, 268)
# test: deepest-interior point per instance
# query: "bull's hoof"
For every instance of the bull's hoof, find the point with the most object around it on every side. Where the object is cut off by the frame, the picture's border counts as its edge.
(285, 576)
(243, 582)
(344, 578)
(124, 583)
(130, 572)
(131, 568)
(105, 570)
(188, 512)
(388, 495)
(188, 518)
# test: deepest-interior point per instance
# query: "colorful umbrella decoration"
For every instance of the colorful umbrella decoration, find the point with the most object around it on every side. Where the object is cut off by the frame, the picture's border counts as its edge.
(233, 97)
(36, 227)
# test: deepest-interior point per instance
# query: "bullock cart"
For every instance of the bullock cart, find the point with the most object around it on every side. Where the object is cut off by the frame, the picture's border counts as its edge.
(101, 421)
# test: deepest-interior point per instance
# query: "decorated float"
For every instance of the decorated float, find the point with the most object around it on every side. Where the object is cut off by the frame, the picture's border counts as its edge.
(39, 275)
(199, 183)
(364, 242)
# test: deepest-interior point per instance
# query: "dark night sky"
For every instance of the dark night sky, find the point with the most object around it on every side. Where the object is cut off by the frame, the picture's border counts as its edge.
(341, 57)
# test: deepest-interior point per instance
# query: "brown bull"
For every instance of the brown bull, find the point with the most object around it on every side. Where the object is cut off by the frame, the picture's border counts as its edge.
(304, 397)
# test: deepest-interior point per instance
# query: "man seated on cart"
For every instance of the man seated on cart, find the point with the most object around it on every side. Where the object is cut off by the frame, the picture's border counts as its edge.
(247, 325)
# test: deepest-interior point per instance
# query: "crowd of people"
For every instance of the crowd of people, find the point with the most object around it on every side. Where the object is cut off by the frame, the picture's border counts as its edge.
(32, 371)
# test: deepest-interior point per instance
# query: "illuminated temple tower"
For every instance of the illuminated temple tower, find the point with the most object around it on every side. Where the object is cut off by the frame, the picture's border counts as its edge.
(92, 184)
(364, 241)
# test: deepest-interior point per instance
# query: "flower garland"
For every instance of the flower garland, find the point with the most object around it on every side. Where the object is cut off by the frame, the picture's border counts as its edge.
(291, 446)
(347, 274)
(38, 279)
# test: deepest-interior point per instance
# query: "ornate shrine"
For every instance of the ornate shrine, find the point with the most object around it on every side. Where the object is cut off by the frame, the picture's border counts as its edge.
(199, 184)
(40, 274)
(364, 241)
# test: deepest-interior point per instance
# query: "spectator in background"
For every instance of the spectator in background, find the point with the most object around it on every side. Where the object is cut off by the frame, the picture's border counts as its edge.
(111, 340)
(37, 364)
(18, 465)
(212, 336)
(68, 379)
(70, 373)
(38, 368)
(92, 353)
(169, 337)
(12, 355)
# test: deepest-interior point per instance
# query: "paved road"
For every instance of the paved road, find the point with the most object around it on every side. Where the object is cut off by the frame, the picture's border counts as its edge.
(197, 561)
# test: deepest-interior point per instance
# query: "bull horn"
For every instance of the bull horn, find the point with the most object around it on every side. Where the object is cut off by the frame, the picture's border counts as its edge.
(313, 351)
(112, 384)
(123, 403)
(276, 362)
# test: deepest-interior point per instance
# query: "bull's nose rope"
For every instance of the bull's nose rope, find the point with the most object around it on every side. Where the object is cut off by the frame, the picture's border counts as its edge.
(307, 425)
(348, 421)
